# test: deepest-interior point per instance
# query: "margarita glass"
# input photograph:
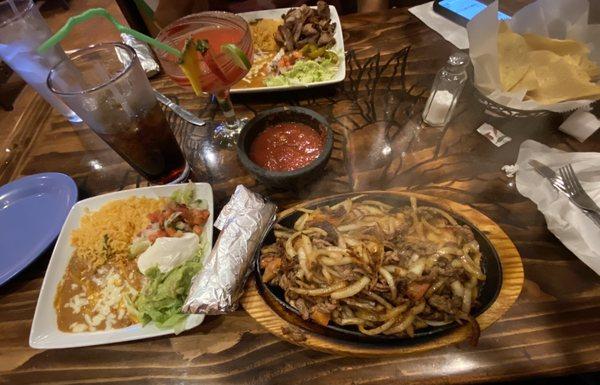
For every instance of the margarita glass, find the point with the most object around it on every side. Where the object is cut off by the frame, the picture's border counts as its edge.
(218, 70)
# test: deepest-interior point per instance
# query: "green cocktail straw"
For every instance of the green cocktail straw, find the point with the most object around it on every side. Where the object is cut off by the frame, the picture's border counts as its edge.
(84, 16)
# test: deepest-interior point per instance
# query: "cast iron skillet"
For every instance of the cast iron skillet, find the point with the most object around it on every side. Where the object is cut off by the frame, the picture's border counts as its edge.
(488, 291)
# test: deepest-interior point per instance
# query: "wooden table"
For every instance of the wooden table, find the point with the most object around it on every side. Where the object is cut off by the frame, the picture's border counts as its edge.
(553, 329)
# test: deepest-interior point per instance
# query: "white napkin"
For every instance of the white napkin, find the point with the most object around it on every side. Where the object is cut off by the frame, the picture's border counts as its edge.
(580, 125)
(574, 229)
(449, 30)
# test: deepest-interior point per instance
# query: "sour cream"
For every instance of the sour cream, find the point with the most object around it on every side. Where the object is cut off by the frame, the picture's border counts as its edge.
(167, 253)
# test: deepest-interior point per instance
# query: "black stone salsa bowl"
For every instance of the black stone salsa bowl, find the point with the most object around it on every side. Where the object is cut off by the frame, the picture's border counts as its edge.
(285, 179)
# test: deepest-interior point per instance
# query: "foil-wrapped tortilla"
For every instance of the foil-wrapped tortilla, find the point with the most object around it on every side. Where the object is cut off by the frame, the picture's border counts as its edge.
(144, 54)
(243, 222)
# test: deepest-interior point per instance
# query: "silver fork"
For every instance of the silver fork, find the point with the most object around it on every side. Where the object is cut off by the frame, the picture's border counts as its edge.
(576, 191)
(558, 184)
(569, 183)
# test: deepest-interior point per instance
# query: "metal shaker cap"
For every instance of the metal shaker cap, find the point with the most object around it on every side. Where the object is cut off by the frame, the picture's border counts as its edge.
(459, 59)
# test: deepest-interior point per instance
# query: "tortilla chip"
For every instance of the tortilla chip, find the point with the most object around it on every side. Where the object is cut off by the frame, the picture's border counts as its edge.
(512, 57)
(578, 51)
(592, 69)
(550, 70)
(575, 61)
(559, 47)
(559, 79)
(528, 82)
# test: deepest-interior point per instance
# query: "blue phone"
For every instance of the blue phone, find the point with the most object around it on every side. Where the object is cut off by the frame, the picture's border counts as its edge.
(462, 11)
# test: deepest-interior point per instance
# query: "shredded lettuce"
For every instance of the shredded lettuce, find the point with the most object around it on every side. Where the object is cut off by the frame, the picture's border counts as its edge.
(304, 72)
(164, 294)
(187, 196)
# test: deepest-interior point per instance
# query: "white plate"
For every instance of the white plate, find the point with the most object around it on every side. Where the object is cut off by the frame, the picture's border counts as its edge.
(44, 330)
(338, 47)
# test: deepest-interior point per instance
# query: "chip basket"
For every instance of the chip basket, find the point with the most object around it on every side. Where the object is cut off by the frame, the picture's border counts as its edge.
(496, 109)
(499, 110)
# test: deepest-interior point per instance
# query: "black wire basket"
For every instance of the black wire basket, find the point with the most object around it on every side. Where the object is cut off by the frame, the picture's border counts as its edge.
(499, 110)
(496, 109)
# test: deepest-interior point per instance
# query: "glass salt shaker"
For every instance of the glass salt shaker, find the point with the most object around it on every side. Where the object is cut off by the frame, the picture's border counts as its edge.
(446, 89)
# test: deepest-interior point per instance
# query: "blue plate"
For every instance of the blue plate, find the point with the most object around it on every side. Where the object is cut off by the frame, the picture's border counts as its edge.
(32, 212)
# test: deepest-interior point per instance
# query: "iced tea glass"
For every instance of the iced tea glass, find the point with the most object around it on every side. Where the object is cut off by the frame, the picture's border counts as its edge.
(218, 28)
(107, 87)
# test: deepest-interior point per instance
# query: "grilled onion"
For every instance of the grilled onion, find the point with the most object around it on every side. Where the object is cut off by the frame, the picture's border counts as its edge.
(382, 269)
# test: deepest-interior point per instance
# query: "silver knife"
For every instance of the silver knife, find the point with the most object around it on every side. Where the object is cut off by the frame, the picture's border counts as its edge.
(544, 170)
(557, 182)
(180, 111)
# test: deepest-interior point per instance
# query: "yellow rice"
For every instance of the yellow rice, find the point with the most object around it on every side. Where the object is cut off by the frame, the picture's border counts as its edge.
(263, 34)
(108, 232)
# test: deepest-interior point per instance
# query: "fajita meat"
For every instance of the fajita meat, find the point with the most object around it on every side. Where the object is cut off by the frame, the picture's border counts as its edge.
(382, 269)
(304, 25)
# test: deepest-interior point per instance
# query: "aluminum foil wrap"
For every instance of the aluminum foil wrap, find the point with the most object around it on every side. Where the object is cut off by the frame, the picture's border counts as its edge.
(144, 53)
(243, 222)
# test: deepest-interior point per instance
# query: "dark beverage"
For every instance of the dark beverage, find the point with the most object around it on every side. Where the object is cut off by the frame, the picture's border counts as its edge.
(107, 87)
(149, 146)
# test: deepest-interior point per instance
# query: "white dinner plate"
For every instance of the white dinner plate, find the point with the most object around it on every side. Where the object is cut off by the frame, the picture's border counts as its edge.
(44, 330)
(338, 47)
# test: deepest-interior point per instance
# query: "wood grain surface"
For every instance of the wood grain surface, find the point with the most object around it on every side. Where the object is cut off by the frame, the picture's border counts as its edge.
(552, 329)
(273, 317)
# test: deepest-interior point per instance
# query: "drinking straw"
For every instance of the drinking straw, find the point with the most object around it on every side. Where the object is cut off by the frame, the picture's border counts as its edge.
(84, 16)
(13, 7)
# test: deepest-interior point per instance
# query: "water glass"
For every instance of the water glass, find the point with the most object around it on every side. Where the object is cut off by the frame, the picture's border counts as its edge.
(22, 30)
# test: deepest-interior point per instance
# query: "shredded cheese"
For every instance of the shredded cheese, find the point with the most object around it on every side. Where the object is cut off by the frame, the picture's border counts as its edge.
(107, 304)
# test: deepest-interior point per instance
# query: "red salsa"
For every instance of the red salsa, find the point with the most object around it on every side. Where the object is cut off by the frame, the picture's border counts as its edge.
(286, 146)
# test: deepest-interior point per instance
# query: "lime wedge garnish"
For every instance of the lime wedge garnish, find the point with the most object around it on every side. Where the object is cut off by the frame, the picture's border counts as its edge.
(237, 56)
(190, 66)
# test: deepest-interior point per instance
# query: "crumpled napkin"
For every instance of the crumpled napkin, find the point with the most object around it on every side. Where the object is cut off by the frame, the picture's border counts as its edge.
(452, 32)
(574, 229)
